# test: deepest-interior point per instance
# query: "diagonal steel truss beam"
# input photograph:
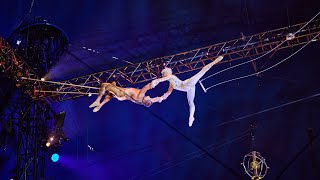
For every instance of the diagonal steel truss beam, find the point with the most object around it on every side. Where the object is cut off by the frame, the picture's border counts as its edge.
(246, 47)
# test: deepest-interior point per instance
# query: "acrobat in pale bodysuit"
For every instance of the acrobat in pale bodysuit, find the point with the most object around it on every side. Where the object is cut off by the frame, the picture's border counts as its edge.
(188, 85)
(135, 95)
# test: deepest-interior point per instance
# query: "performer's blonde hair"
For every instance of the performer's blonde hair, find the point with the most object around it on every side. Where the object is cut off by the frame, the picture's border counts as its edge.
(166, 71)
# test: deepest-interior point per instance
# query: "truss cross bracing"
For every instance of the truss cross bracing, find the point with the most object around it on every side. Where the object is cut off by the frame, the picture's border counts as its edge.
(243, 48)
(15, 67)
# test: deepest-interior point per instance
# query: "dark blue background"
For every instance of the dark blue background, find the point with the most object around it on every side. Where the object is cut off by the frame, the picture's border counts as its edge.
(131, 141)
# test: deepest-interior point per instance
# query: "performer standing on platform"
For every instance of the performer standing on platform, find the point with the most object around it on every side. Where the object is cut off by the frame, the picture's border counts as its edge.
(188, 85)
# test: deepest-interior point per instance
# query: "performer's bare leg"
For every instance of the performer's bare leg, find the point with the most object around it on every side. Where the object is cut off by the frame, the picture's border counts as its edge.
(107, 98)
(111, 87)
(190, 95)
(102, 91)
(194, 79)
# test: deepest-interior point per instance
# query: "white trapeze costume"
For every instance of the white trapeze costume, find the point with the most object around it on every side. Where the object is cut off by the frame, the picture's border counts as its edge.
(188, 85)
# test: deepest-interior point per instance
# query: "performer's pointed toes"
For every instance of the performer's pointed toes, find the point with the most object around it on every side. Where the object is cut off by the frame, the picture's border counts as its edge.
(96, 109)
(218, 59)
(191, 119)
(94, 104)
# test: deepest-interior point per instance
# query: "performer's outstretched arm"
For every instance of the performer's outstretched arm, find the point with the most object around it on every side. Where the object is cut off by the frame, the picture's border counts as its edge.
(163, 97)
(167, 94)
(143, 91)
(155, 99)
(155, 82)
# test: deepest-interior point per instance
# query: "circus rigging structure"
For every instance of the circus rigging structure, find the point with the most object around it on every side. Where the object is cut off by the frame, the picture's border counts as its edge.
(36, 46)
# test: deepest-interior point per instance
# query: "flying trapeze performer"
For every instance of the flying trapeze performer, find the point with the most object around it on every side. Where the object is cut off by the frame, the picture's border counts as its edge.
(135, 95)
(188, 85)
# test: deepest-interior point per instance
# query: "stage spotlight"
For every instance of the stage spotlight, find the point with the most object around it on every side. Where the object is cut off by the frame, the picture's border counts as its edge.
(55, 157)
(53, 140)
(48, 144)
(42, 79)
(290, 36)
(45, 145)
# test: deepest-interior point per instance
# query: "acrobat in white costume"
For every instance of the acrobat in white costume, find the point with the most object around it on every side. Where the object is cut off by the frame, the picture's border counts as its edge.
(188, 85)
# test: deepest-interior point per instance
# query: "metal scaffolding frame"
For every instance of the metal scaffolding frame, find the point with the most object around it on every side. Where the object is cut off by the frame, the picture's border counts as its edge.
(32, 122)
(15, 67)
(248, 48)
(30, 115)
(34, 112)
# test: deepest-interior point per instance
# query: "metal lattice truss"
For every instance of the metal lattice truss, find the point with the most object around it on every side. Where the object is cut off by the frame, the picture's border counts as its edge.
(15, 67)
(31, 117)
(249, 47)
